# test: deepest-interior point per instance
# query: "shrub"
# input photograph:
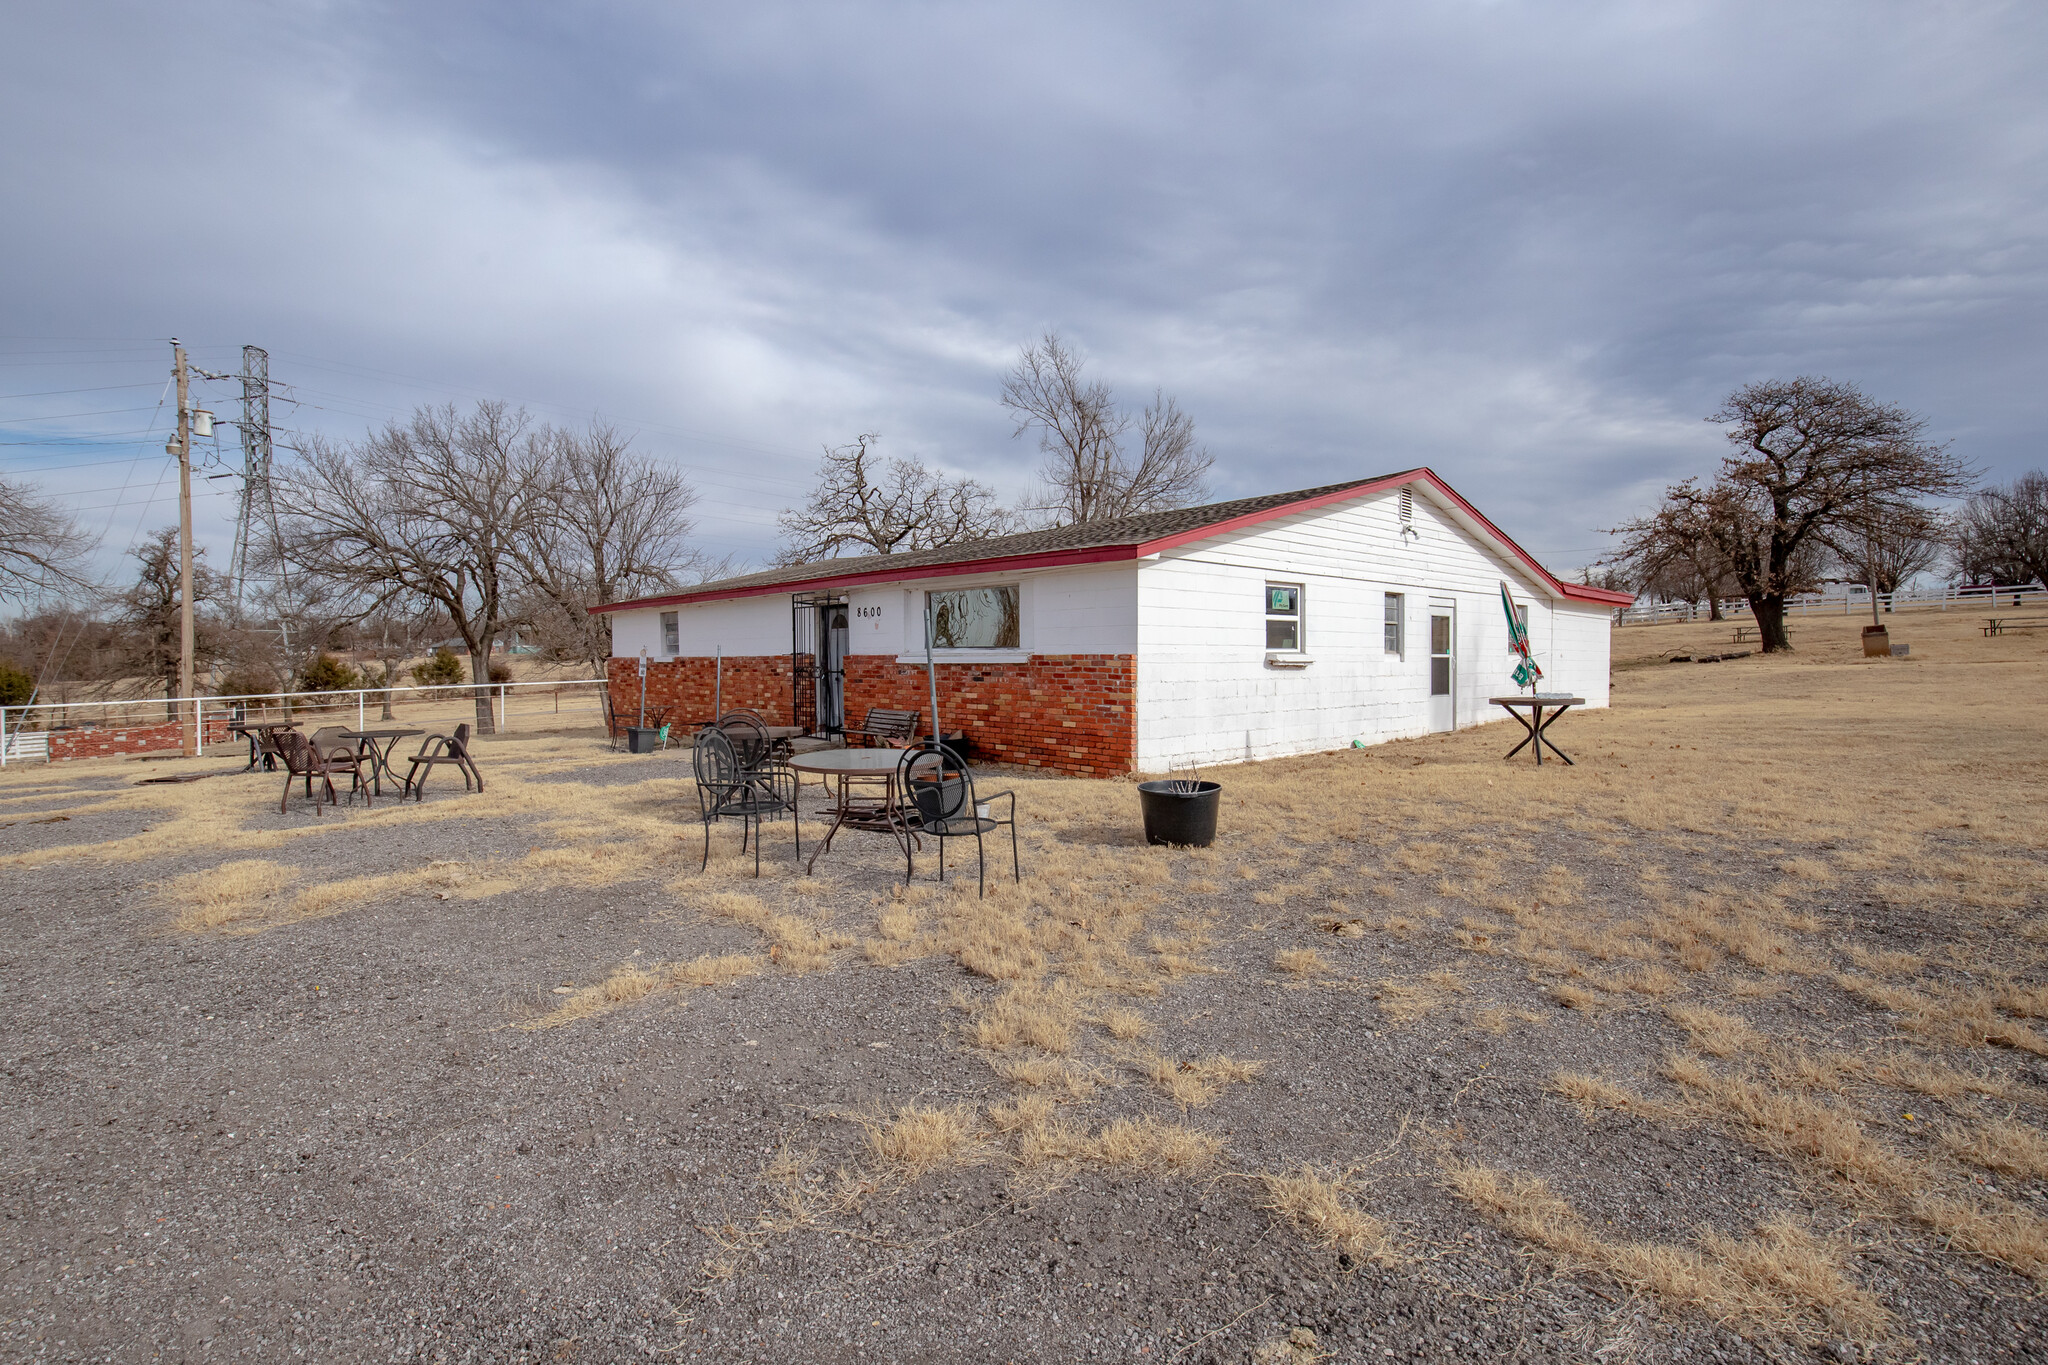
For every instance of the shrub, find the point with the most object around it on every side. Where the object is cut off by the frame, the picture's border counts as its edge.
(501, 673)
(440, 671)
(328, 674)
(247, 682)
(16, 687)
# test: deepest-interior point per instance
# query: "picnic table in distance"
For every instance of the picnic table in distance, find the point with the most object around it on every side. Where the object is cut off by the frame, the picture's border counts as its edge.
(1536, 723)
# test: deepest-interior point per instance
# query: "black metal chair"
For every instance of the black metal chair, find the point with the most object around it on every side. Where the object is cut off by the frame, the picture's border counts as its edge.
(728, 789)
(434, 751)
(939, 786)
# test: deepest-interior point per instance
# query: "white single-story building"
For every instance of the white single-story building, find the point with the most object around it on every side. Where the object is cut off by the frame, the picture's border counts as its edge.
(1284, 624)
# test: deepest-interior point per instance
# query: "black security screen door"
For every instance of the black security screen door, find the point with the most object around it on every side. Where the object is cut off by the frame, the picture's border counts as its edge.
(817, 662)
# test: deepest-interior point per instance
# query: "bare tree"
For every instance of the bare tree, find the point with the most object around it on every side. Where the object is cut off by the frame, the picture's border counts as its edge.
(1887, 546)
(41, 547)
(1670, 555)
(618, 527)
(2001, 534)
(1813, 459)
(1088, 475)
(148, 619)
(430, 512)
(861, 506)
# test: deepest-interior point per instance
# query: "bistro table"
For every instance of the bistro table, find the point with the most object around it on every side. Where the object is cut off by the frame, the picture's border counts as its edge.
(849, 768)
(380, 760)
(1536, 722)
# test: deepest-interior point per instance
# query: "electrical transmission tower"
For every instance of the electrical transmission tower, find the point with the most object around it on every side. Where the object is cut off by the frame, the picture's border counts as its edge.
(258, 508)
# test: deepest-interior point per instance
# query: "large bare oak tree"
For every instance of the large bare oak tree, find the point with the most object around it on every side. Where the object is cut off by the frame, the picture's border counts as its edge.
(2001, 534)
(1088, 474)
(433, 509)
(41, 548)
(1815, 464)
(863, 506)
(616, 527)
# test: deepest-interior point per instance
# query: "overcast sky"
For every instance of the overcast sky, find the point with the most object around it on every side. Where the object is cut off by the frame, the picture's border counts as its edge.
(1529, 245)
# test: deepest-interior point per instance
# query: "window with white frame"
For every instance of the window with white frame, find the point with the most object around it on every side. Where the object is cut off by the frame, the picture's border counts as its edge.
(975, 618)
(1283, 617)
(671, 635)
(1397, 606)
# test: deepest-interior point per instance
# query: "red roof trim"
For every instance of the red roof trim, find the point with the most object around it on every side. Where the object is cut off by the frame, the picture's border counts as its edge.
(1577, 591)
(1045, 559)
(1103, 554)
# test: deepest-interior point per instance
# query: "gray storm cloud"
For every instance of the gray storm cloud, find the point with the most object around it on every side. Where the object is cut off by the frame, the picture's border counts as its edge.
(1529, 245)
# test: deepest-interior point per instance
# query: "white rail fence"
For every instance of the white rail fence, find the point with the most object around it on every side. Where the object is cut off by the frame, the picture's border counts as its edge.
(26, 731)
(1838, 602)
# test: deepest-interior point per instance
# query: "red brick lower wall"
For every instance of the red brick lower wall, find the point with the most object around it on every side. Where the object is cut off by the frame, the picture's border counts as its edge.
(686, 688)
(1073, 713)
(112, 742)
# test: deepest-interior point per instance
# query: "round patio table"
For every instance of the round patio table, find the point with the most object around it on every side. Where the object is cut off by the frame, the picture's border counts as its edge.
(380, 759)
(849, 768)
(1536, 722)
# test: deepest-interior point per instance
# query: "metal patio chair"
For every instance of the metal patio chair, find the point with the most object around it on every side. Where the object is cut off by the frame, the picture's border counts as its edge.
(727, 789)
(939, 787)
(434, 751)
(306, 760)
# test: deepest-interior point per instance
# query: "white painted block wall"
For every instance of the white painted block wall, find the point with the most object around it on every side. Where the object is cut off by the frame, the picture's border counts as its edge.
(1206, 694)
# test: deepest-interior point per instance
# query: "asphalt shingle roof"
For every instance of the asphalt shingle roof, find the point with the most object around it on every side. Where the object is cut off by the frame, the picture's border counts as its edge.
(1138, 530)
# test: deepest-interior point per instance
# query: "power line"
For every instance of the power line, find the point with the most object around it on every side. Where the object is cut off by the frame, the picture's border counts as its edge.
(52, 393)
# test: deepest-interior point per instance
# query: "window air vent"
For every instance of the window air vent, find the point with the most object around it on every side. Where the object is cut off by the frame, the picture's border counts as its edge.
(1407, 506)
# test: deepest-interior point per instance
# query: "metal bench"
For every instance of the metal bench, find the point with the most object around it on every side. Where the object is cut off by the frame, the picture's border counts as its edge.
(886, 728)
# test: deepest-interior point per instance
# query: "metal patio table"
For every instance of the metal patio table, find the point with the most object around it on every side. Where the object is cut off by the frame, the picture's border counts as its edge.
(1536, 722)
(380, 759)
(850, 768)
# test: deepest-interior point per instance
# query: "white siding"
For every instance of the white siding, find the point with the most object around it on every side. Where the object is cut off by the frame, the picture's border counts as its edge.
(1206, 693)
(1089, 609)
(741, 627)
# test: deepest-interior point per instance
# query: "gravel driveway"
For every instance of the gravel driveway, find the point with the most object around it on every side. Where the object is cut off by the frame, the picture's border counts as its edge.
(342, 1137)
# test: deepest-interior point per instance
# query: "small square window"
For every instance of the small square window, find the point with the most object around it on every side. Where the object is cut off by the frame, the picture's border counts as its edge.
(1283, 617)
(671, 635)
(1396, 615)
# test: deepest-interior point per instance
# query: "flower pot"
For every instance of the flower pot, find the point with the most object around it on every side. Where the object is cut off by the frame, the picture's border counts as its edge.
(1877, 642)
(1174, 814)
(642, 739)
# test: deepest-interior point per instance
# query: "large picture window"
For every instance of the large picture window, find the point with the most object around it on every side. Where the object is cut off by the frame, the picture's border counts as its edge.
(1283, 617)
(974, 618)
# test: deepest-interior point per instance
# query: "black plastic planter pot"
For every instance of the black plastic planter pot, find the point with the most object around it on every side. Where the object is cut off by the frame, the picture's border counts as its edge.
(1175, 815)
(642, 739)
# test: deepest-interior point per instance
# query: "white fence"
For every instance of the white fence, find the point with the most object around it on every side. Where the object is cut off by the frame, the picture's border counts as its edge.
(1839, 601)
(26, 731)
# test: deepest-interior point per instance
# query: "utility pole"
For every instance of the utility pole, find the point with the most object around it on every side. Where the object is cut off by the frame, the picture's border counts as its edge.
(183, 449)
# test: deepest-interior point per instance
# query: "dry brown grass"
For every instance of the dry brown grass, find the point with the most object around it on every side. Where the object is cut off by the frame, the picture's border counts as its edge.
(1403, 1002)
(919, 1138)
(1712, 1032)
(1189, 1083)
(1050, 1074)
(1783, 1278)
(1593, 1094)
(1322, 1206)
(1137, 1144)
(2002, 1145)
(1302, 962)
(1831, 1139)
(633, 982)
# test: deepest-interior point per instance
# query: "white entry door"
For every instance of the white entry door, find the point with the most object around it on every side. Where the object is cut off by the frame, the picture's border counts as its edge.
(1443, 672)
